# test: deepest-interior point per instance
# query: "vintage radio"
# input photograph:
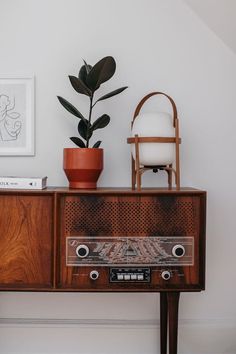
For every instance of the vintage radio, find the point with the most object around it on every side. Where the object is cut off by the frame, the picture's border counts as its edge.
(121, 240)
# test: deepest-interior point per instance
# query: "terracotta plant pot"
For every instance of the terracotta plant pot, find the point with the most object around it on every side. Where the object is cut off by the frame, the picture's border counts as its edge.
(83, 166)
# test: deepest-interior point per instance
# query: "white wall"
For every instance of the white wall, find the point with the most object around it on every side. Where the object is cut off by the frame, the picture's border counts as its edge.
(158, 45)
(219, 16)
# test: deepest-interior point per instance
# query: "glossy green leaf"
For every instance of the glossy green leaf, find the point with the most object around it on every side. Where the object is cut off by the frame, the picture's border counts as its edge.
(101, 72)
(83, 73)
(77, 141)
(101, 122)
(112, 93)
(84, 130)
(70, 108)
(97, 144)
(79, 86)
(87, 66)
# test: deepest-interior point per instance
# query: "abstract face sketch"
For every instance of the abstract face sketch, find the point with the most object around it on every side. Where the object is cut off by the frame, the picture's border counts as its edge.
(10, 124)
(16, 116)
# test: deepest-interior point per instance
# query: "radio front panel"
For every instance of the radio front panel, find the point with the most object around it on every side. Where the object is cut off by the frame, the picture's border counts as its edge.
(131, 242)
(129, 251)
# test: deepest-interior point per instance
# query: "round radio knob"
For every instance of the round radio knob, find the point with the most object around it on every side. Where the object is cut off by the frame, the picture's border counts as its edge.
(94, 275)
(82, 251)
(165, 275)
(178, 251)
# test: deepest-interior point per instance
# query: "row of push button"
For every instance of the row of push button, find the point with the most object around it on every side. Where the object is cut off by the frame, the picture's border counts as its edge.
(130, 277)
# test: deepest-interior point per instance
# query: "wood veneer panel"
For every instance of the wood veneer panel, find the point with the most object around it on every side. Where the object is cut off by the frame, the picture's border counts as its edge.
(26, 235)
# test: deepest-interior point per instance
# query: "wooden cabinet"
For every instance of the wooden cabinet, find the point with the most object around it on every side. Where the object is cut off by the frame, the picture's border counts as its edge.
(26, 241)
(36, 228)
(106, 240)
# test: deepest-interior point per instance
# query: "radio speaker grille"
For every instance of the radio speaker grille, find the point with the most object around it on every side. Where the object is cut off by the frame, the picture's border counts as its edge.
(131, 216)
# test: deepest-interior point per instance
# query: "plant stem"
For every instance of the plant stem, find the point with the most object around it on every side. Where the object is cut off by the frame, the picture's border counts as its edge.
(94, 104)
(90, 117)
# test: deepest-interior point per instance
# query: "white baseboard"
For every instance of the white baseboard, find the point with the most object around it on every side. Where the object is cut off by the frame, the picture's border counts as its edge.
(105, 336)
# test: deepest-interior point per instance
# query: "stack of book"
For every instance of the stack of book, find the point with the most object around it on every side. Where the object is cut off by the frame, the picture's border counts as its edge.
(13, 182)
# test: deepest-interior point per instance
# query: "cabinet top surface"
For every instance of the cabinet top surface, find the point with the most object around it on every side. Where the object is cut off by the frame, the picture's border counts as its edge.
(107, 190)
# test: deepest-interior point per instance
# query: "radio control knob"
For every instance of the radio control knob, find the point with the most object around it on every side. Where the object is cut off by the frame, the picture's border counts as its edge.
(165, 275)
(94, 275)
(82, 251)
(178, 251)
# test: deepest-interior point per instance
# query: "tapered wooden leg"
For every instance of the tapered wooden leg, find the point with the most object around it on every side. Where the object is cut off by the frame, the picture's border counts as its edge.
(170, 177)
(139, 180)
(137, 164)
(163, 322)
(177, 163)
(173, 307)
(133, 173)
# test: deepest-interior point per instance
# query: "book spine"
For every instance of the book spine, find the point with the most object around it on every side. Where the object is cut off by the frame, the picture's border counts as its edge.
(22, 183)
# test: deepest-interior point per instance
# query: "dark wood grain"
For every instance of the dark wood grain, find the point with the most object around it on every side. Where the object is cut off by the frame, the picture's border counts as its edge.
(26, 225)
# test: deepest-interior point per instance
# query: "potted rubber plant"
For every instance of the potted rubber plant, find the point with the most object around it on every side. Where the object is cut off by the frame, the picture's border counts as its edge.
(84, 164)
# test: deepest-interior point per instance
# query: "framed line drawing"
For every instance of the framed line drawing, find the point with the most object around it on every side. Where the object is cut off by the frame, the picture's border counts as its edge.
(16, 116)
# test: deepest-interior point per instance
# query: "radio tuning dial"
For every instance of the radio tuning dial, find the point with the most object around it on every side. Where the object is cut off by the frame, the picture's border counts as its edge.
(94, 275)
(165, 275)
(178, 251)
(82, 251)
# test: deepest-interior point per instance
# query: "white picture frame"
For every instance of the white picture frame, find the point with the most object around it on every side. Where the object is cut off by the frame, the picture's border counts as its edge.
(17, 116)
